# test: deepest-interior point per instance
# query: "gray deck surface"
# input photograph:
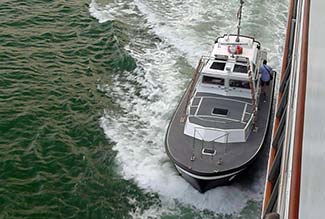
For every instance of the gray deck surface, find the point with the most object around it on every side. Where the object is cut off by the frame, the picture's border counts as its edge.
(312, 196)
(239, 111)
(233, 155)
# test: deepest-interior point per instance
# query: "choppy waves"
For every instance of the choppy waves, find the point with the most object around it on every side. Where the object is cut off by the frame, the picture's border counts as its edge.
(54, 159)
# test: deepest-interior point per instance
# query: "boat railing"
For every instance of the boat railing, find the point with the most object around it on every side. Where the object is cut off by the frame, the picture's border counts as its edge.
(205, 146)
(253, 94)
(208, 118)
(192, 85)
(226, 58)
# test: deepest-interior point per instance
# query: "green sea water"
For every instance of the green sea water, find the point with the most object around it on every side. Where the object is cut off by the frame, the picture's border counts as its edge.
(54, 159)
(63, 73)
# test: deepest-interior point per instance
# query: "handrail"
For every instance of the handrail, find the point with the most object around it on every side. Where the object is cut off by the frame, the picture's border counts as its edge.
(193, 82)
(230, 60)
(285, 63)
(204, 141)
(208, 128)
(300, 115)
(251, 84)
(195, 131)
(206, 118)
(217, 129)
(227, 134)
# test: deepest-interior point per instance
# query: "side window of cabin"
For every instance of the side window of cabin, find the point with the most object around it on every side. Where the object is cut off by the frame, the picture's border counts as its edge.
(213, 80)
(240, 68)
(239, 84)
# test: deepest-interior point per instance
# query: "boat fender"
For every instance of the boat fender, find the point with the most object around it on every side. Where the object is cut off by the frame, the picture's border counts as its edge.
(235, 49)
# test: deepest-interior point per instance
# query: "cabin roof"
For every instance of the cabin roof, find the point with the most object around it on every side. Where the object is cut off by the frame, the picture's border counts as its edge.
(226, 64)
(247, 43)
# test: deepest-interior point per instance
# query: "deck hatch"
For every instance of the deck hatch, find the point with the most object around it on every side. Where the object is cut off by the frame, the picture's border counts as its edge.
(220, 111)
(209, 151)
(218, 66)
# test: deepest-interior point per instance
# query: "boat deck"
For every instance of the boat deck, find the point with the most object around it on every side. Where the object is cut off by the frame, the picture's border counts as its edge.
(217, 111)
(187, 152)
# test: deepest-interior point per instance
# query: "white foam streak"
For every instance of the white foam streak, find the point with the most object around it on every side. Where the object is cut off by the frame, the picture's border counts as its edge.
(189, 27)
(112, 11)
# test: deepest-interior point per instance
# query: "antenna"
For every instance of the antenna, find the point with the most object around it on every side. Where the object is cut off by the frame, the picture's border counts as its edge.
(239, 19)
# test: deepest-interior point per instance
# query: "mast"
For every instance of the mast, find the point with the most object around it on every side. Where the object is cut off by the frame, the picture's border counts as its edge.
(239, 19)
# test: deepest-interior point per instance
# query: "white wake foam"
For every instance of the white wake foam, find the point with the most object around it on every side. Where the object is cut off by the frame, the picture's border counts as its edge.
(139, 130)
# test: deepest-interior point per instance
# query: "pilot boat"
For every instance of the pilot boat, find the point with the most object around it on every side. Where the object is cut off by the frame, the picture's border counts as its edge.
(221, 121)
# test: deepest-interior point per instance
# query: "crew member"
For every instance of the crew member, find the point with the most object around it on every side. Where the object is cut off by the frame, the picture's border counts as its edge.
(266, 77)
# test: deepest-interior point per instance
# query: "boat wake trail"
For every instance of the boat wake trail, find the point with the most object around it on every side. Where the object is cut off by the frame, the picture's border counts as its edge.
(162, 33)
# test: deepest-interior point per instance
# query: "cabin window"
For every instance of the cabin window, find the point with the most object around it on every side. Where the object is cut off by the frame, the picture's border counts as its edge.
(221, 57)
(213, 80)
(242, 59)
(239, 84)
(240, 68)
(218, 66)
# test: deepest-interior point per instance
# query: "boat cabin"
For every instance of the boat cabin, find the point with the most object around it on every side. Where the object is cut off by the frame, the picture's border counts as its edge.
(226, 76)
(224, 99)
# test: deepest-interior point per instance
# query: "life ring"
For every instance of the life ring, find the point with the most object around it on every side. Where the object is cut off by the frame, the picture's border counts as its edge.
(235, 49)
